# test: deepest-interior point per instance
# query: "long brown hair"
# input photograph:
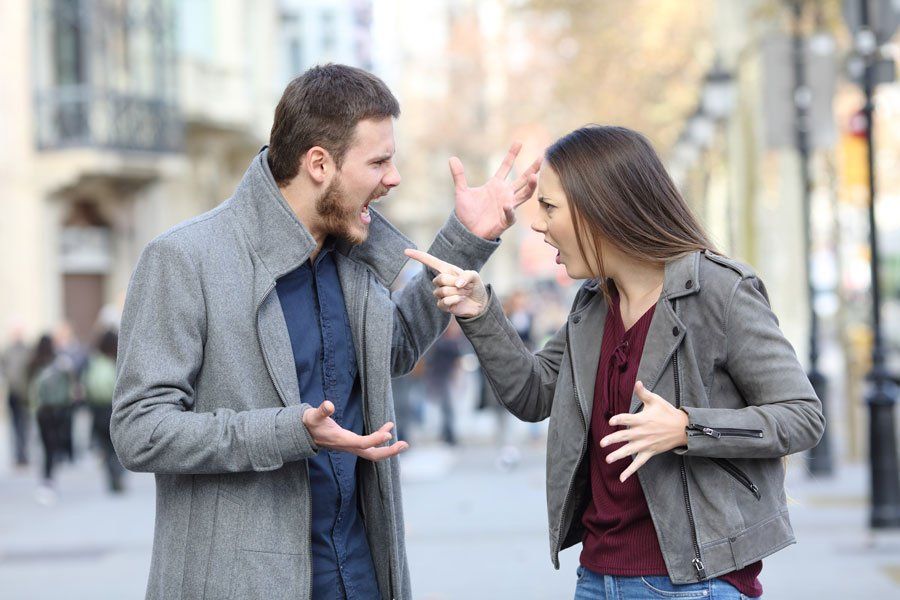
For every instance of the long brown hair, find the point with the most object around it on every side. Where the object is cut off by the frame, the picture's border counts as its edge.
(620, 193)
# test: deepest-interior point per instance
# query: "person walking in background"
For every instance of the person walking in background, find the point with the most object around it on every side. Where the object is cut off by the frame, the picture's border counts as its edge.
(14, 372)
(50, 389)
(441, 369)
(671, 391)
(98, 381)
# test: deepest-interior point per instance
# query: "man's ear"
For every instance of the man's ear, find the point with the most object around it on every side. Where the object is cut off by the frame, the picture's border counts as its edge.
(318, 164)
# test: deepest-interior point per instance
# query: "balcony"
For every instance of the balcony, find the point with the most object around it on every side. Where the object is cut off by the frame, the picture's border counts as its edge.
(105, 75)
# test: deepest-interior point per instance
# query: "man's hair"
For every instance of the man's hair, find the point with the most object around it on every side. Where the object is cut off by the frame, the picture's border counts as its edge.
(321, 107)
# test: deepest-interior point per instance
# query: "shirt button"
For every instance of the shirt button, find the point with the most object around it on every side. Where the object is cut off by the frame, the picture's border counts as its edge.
(576, 319)
(675, 331)
(689, 284)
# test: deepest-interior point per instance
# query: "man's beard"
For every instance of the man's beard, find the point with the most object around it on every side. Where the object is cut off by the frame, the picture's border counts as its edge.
(338, 219)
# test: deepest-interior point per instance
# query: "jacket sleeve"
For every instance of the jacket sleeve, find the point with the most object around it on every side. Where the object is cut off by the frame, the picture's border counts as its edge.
(783, 414)
(524, 382)
(417, 319)
(154, 427)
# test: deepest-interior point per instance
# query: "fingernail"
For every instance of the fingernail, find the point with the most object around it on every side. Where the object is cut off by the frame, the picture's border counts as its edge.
(460, 282)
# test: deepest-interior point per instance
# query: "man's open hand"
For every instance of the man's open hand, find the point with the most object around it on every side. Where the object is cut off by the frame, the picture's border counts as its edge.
(326, 433)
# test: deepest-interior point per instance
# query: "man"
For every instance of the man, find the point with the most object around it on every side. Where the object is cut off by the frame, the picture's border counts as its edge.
(256, 351)
(14, 371)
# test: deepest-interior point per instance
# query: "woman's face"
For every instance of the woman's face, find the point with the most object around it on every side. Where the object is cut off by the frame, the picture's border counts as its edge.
(554, 222)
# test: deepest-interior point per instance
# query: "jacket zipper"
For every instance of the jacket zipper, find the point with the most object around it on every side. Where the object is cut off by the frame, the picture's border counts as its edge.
(565, 509)
(698, 560)
(262, 349)
(717, 432)
(742, 478)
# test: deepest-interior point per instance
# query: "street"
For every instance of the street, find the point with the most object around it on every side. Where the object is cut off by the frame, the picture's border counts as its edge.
(473, 530)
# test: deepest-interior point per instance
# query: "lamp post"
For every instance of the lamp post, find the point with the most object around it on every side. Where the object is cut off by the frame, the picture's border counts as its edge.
(882, 394)
(819, 457)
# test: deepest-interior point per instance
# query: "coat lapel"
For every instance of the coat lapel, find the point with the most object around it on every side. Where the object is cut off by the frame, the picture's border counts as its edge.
(275, 342)
(666, 329)
(585, 337)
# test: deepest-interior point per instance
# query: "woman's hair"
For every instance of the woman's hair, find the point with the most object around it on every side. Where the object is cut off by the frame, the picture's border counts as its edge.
(42, 355)
(108, 344)
(620, 193)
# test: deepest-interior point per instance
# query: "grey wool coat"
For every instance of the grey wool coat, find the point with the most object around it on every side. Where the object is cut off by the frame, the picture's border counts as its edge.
(207, 396)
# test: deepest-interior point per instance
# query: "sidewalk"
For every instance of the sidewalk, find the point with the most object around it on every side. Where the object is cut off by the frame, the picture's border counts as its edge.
(474, 531)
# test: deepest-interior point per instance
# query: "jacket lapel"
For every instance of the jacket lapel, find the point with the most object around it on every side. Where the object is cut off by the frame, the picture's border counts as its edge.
(585, 337)
(275, 342)
(666, 328)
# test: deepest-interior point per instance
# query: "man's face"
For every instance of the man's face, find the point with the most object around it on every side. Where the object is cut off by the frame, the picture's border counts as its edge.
(367, 173)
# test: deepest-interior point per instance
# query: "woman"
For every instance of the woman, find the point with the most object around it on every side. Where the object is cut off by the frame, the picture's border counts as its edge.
(671, 367)
(50, 388)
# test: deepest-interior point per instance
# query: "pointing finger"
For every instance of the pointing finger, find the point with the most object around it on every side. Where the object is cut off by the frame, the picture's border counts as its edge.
(431, 262)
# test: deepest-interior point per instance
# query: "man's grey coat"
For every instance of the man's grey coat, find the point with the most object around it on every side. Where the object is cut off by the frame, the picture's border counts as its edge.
(207, 395)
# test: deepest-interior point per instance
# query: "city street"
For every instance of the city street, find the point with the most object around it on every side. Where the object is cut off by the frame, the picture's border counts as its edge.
(473, 529)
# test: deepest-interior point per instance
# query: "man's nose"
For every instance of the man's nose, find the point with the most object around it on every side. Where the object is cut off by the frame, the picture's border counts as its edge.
(392, 179)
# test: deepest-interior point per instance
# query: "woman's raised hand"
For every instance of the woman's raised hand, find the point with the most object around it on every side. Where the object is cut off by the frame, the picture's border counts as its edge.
(461, 293)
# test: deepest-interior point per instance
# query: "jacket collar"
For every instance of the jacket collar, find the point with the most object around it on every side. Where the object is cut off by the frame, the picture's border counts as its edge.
(283, 243)
(682, 276)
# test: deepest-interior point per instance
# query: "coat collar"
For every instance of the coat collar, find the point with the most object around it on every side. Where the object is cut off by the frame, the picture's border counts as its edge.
(682, 276)
(283, 243)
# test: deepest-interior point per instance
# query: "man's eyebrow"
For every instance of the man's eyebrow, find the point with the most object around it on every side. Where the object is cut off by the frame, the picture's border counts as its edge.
(381, 157)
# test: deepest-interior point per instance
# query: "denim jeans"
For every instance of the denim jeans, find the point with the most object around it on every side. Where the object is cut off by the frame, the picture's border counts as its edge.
(591, 586)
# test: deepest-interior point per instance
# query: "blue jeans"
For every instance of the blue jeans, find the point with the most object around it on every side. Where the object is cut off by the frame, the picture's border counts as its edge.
(591, 586)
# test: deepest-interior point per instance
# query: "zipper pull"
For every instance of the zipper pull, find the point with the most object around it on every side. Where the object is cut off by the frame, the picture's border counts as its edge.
(706, 431)
(698, 566)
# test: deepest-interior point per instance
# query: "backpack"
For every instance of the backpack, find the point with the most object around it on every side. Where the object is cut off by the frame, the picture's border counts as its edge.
(52, 387)
(99, 380)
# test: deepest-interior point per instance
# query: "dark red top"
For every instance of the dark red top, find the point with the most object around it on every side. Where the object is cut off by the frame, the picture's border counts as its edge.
(619, 535)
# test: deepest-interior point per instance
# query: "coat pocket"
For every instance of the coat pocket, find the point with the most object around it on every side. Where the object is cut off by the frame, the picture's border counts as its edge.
(273, 576)
(227, 532)
(738, 475)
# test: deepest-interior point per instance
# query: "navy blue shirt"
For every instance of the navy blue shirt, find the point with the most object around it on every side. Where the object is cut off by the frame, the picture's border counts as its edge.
(313, 305)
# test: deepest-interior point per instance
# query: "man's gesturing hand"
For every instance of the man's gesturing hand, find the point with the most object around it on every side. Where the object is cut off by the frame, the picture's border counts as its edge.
(328, 434)
(489, 210)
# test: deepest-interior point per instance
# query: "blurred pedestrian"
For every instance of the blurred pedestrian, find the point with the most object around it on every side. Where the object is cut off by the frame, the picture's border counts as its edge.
(72, 353)
(441, 369)
(14, 371)
(50, 387)
(99, 383)
(664, 369)
(407, 391)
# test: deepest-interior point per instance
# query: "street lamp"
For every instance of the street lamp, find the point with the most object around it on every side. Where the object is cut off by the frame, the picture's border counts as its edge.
(882, 394)
(701, 129)
(717, 98)
(819, 457)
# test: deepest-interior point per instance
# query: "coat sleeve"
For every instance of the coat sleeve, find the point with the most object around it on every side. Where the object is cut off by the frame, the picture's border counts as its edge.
(418, 322)
(524, 382)
(783, 414)
(154, 427)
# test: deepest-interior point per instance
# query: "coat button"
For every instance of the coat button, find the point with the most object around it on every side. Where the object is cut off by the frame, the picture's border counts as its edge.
(675, 331)
(576, 319)
(689, 284)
